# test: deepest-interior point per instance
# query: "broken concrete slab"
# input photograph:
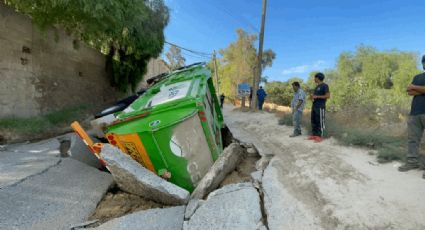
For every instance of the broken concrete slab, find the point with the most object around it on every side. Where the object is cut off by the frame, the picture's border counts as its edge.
(256, 178)
(235, 206)
(262, 164)
(191, 207)
(61, 196)
(19, 161)
(134, 178)
(225, 164)
(152, 219)
(284, 211)
(252, 151)
(79, 151)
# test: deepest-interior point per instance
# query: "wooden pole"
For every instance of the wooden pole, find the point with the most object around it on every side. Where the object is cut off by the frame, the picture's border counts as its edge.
(259, 71)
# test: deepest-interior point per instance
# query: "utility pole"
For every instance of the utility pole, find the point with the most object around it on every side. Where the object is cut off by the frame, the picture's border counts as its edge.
(257, 75)
(216, 73)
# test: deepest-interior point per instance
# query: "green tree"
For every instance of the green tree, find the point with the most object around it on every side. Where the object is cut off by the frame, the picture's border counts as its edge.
(175, 58)
(373, 78)
(281, 93)
(238, 63)
(130, 32)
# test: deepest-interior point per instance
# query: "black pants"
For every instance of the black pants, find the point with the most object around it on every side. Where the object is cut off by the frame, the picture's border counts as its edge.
(318, 120)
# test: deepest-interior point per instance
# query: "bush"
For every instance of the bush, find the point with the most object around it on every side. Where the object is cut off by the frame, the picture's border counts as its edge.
(388, 147)
(42, 124)
(286, 119)
(391, 152)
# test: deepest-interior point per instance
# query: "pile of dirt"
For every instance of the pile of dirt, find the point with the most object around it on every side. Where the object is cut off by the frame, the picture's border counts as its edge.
(117, 203)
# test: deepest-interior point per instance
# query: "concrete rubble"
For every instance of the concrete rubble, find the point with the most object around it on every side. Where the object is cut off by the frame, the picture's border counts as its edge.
(63, 203)
(191, 207)
(152, 219)
(256, 178)
(225, 164)
(133, 178)
(262, 164)
(79, 151)
(235, 206)
(61, 196)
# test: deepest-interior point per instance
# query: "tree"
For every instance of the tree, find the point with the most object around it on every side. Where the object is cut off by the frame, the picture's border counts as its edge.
(372, 78)
(238, 62)
(281, 93)
(268, 57)
(130, 32)
(175, 58)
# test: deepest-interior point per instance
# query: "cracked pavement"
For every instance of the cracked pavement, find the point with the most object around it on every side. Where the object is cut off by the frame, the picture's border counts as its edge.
(40, 190)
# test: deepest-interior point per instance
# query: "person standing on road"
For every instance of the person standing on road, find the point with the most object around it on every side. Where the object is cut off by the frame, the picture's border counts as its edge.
(297, 106)
(222, 100)
(319, 97)
(416, 121)
(261, 95)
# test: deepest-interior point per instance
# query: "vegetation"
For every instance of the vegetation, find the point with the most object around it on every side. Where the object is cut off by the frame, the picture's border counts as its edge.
(130, 32)
(175, 58)
(386, 146)
(42, 124)
(238, 63)
(368, 99)
(370, 77)
(367, 78)
(281, 93)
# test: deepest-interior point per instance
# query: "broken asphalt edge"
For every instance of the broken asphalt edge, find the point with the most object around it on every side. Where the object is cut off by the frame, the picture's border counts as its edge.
(137, 180)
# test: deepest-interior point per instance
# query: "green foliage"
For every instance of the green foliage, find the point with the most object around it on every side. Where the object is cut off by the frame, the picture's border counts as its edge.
(175, 58)
(388, 147)
(268, 57)
(286, 119)
(367, 78)
(281, 93)
(129, 31)
(372, 77)
(238, 63)
(391, 152)
(42, 124)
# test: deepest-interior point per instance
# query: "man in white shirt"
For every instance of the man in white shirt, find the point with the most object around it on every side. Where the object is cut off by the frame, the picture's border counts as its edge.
(297, 106)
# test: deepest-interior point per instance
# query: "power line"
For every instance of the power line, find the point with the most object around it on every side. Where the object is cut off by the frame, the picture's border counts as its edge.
(239, 19)
(194, 56)
(191, 51)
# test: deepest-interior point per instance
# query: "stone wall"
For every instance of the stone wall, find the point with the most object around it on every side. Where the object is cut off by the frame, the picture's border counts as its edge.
(155, 67)
(48, 71)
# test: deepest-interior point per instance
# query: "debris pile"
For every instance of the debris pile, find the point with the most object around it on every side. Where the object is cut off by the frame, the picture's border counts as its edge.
(236, 204)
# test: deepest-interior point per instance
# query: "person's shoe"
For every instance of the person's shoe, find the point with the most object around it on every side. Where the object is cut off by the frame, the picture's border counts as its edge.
(408, 166)
(318, 139)
(311, 138)
(295, 135)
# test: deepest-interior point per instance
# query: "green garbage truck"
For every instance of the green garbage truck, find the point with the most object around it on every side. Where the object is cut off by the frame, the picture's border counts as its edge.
(174, 128)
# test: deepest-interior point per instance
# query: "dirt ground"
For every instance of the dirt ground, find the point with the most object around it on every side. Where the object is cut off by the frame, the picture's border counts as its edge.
(334, 186)
(117, 203)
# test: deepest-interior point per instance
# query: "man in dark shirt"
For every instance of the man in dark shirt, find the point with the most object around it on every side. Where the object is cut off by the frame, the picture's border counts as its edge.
(416, 122)
(319, 97)
(222, 100)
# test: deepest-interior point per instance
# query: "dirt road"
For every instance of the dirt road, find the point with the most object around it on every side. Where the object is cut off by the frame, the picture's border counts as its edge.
(329, 186)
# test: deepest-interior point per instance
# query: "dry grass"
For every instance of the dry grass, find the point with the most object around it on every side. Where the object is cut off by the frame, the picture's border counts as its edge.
(362, 132)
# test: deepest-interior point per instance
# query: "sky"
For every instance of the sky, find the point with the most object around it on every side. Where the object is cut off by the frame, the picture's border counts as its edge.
(306, 35)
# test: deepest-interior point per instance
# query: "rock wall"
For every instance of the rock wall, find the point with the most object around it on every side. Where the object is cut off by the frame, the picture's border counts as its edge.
(48, 71)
